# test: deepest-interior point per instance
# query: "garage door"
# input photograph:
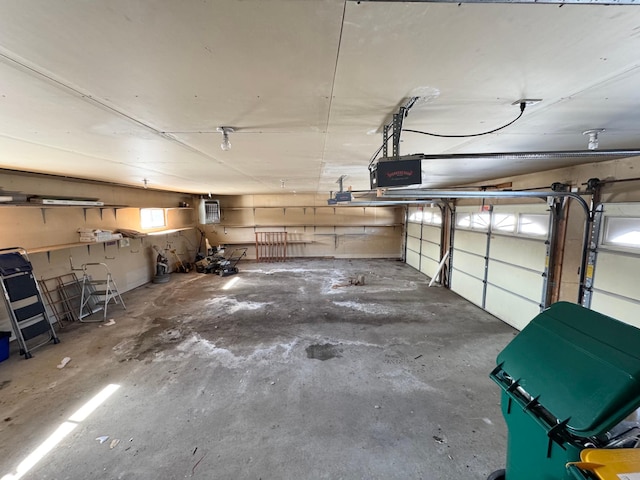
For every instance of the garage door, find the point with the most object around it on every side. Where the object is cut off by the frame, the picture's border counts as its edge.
(612, 275)
(500, 259)
(423, 239)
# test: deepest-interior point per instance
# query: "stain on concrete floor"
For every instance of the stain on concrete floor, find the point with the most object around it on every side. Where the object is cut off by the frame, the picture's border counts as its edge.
(323, 352)
(212, 369)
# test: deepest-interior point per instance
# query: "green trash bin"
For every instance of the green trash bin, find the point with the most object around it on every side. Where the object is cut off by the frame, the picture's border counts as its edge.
(569, 379)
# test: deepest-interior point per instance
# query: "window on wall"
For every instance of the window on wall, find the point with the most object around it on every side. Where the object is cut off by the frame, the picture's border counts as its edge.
(622, 231)
(152, 218)
(533, 224)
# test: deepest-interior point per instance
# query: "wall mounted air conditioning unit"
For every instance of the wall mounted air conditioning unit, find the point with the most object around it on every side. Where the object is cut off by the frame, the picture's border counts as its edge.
(208, 211)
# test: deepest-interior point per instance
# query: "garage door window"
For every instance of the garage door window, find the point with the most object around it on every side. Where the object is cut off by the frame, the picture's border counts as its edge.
(432, 217)
(474, 221)
(504, 222)
(622, 231)
(533, 224)
(416, 216)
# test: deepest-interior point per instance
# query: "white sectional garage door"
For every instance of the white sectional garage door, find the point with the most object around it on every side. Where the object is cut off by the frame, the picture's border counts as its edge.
(423, 239)
(469, 251)
(500, 258)
(615, 272)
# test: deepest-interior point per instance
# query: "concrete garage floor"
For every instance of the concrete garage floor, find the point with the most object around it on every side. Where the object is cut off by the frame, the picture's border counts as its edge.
(291, 373)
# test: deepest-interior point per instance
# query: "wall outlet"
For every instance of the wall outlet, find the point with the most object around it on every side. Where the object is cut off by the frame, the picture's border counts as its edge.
(124, 242)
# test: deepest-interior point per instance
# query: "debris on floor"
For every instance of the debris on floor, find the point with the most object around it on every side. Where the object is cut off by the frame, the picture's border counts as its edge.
(102, 439)
(110, 322)
(64, 362)
(114, 443)
(353, 281)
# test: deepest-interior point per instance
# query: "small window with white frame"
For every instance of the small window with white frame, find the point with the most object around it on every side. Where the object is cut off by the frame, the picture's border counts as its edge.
(416, 216)
(534, 224)
(622, 232)
(152, 218)
(504, 222)
(474, 221)
(432, 217)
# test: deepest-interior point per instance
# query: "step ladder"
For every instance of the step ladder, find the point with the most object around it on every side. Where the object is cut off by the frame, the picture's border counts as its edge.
(24, 302)
(97, 294)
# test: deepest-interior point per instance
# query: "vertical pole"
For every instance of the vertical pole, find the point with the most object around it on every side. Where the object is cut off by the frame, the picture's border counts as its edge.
(452, 231)
(397, 129)
(486, 258)
(592, 256)
(385, 141)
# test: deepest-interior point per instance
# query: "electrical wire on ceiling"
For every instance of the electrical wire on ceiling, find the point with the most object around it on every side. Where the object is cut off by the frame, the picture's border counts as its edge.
(412, 101)
(523, 105)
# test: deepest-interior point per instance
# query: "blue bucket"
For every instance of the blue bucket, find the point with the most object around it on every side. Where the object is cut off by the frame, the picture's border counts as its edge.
(4, 345)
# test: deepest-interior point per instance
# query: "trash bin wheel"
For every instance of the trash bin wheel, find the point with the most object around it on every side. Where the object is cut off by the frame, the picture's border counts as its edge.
(497, 475)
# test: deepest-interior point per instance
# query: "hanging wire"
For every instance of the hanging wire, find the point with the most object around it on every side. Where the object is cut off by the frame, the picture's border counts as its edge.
(410, 104)
(523, 105)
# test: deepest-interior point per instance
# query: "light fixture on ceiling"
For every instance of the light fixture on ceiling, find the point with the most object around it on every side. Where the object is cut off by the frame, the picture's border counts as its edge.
(226, 144)
(527, 101)
(593, 137)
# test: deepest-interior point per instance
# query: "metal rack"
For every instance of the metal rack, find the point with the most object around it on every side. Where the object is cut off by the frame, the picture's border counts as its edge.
(63, 294)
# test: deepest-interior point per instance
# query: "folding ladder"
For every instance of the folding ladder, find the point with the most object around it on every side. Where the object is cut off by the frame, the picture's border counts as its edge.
(23, 299)
(96, 294)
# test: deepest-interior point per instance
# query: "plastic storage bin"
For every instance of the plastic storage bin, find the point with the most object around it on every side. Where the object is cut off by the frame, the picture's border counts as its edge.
(4, 345)
(568, 379)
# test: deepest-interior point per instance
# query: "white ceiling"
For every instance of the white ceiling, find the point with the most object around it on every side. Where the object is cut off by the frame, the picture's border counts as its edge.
(124, 90)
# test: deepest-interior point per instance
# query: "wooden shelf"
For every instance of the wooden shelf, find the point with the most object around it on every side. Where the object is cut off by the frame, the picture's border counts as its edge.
(168, 231)
(62, 246)
(40, 205)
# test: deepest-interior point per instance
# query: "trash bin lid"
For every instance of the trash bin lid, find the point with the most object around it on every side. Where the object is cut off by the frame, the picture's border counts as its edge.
(583, 366)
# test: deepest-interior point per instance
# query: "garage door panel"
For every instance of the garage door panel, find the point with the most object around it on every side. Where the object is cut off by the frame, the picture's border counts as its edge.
(413, 243)
(414, 229)
(413, 259)
(517, 280)
(473, 242)
(519, 251)
(431, 250)
(510, 308)
(626, 311)
(617, 273)
(428, 266)
(467, 287)
(431, 233)
(467, 263)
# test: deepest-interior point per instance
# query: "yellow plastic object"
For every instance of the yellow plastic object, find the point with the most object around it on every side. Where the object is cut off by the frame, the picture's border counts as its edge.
(612, 464)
